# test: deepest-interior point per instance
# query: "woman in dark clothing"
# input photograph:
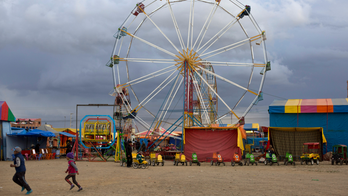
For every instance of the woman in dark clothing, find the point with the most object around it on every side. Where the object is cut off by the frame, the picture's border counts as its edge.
(129, 154)
(137, 145)
(37, 148)
(68, 147)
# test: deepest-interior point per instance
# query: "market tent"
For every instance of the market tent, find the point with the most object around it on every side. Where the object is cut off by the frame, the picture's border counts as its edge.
(33, 133)
(158, 132)
(42, 133)
(48, 128)
(66, 134)
(292, 139)
(205, 141)
(67, 130)
(330, 114)
(24, 138)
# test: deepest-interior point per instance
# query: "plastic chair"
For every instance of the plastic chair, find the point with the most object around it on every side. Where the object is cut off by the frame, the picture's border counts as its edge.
(39, 157)
(26, 156)
(33, 154)
(53, 156)
(57, 154)
(48, 155)
(43, 153)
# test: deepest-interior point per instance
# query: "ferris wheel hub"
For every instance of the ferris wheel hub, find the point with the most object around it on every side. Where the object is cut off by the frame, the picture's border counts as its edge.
(190, 57)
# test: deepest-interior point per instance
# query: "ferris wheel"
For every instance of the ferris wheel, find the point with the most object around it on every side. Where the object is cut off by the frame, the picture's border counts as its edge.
(203, 61)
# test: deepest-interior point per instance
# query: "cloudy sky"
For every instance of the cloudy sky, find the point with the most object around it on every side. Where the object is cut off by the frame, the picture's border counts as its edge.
(53, 53)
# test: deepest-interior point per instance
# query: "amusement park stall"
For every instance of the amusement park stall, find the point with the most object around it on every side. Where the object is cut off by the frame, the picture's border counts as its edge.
(65, 134)
(6, 116)
(330, 114)
(205, 141)
(291, 140)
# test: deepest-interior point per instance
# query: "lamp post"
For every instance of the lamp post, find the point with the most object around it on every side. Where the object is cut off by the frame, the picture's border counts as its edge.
(70, 119)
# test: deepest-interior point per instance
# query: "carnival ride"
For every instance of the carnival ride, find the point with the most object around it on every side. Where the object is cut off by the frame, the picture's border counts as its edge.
(158, 66)
(98, 133)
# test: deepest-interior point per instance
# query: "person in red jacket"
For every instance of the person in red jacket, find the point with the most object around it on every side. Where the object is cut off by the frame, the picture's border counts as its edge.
(72, 169)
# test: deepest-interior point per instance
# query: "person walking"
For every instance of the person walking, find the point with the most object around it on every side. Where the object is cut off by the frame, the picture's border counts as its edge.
(72, 169)
(19, 176)
(129, 154)
(137, 145)
(68, 147)
(37, 149)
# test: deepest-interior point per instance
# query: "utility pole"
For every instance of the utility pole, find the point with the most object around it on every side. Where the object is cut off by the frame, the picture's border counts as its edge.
(64, 121)
(70, 119)
(347, 88)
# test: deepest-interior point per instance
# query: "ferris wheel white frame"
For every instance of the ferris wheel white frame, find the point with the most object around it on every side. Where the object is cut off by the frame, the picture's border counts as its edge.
(190, 51)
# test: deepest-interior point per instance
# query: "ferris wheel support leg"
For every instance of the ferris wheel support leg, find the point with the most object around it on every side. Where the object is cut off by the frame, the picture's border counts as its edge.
(164, 104)
(118, 147)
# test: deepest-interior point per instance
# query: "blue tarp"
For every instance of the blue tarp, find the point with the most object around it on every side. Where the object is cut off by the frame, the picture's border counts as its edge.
(33, 133)
(67, 134)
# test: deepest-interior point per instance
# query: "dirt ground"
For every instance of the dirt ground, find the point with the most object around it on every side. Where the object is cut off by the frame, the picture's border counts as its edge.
(46, 177)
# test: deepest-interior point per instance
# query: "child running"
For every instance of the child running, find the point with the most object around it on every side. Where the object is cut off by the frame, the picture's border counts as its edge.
(19, 164)
(72, 169)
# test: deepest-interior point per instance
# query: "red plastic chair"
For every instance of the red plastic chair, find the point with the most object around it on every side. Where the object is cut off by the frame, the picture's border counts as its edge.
(48, 155)
(53, 156)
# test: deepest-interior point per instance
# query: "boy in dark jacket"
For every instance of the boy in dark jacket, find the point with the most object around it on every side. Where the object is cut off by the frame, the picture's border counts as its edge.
(19, 164)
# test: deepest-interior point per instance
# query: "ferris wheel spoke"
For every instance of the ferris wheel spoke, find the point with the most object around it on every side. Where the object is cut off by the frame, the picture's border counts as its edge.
(151, 75)
(176, 92)
(159, 88)
(190, 27)
(159, 30)
(231, 46)
(200, 97)
(237, 3)
(228, 26)
(228, 81)
(176, 25)
(142, 122)
(210, 16)
(150, 44)
(144, 60)
(216, 94)
(233, 64)
(168, 101)
(206, 26)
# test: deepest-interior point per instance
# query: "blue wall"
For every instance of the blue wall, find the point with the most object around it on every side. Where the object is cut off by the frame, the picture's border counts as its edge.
(335, 125)
(5, 129)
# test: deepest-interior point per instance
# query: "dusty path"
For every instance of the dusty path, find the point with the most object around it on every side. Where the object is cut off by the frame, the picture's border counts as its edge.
(46, 177)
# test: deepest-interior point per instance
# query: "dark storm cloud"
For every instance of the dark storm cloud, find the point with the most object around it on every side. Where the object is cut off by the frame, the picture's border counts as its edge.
(53, 55)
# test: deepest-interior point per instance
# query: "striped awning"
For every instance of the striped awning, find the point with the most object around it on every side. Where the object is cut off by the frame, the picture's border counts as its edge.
(309, 106)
